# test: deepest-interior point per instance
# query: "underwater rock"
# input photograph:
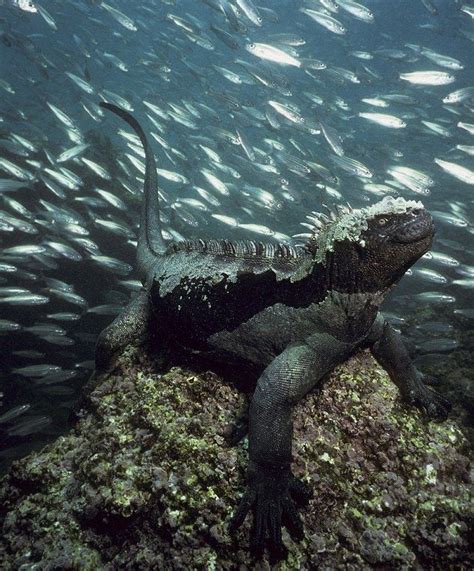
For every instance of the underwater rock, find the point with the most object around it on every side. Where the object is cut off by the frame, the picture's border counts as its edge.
(146, 481)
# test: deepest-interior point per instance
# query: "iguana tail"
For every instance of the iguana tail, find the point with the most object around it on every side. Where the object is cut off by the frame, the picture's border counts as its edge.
(150, 240)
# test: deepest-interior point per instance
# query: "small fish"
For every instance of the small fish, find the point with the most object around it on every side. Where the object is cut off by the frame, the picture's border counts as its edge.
(467, 313)
(115, 61)
(215, 182)
(442, 60)
(26, 299)
(440, 345)
(288, 111)
(56, 377)
(246, 146)
(428, 77)
(72, 153)
(375, 102)
(58, 284)
(468, 149)
(133, 285)
(332, 138)
(466, 282)
(385, 120)
(434, 297)
(81, 83)
(30, 426)
(288, 39)
(430, 275)
(63, 117)
(45, 329)
(115, 201)
(112, 264)
(115, 228)
(47, 18)
(108, 95)
(467, 9)
(120, 17)
(362, 55)
(225, 37)
(97, 169)
(64, 250)
(228, 220)
(14, 413)
(24, 142)
(229, 75)
(437, 128)
(68, 296)
(400, 98)
(63, 179)
(157, 110)
(207, 196)
(448, 218)
(182, 23)
(9, 185)
(461, 173)
(251, 11)
(6, 325)
(14, 170)
(257, 229)
(324, 20)
(107, 309)
(469, 127)
(352, 166)
(25, 250)
(413, 179)
(357, 10)
(172, 176)
(271, 53)
(64, 316)
(430, 7)
(7, 268)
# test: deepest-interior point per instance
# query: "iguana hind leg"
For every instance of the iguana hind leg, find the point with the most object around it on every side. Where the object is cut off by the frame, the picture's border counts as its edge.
(130, 328)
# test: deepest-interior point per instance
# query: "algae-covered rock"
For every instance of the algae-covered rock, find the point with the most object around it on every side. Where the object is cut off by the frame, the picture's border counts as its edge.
(146, 481)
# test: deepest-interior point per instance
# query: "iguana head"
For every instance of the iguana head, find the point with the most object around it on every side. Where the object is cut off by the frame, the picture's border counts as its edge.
(370, 249)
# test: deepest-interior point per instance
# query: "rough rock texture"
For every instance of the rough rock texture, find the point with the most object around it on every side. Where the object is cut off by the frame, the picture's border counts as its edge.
(145, 480)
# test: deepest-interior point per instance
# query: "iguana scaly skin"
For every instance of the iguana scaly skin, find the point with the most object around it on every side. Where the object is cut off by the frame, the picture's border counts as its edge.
(288, 314)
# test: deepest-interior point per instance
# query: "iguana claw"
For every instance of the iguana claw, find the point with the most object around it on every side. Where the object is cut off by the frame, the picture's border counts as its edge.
(272, 493)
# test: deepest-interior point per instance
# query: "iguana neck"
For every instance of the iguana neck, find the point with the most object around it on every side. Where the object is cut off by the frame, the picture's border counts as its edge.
(346, 271)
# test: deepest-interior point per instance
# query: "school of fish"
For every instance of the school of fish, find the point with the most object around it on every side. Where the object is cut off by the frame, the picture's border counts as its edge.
(261, 115)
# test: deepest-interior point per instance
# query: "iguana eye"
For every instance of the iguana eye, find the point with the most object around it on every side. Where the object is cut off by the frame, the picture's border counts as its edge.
(382, 221)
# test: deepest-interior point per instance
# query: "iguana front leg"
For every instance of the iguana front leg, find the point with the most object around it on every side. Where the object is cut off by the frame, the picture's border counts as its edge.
(391, 353)
(272, 491)
(128, 328)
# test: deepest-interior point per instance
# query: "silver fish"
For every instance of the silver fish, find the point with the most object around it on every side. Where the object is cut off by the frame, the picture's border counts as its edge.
(272, 53)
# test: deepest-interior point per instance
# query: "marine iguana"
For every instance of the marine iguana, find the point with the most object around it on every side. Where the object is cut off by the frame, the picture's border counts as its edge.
(291, 314)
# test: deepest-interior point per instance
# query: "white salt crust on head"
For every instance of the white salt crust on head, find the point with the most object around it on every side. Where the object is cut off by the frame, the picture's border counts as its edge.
(351, 224)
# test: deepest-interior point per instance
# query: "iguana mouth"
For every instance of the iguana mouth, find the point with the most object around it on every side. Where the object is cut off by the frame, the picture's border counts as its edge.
(417, 229)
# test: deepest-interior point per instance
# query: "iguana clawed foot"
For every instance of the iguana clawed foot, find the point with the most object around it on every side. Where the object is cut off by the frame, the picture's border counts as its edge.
(273, 494)
(434, 405)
